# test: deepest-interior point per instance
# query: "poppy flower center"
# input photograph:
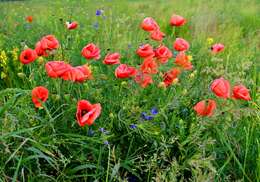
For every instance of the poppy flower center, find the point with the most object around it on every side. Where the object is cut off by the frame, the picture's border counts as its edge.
(83, 112)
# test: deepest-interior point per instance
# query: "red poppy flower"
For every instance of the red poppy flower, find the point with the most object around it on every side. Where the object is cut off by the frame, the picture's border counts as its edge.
(149, 24)
(170, 76)
(221, 88)
(125, 71)
(72, 25)
(149, 66)
(162, 53)
(39, 50)
(91, 51)
(87, 113)
(241, 92)
(181, 45)
(46, 44)
(27, 56)
(216, 48)
(205, 107)
(77, 74)
(111, 59)
(145, 51)
(143, 79)
(157, 35)
(39, 95)
(29, 19)
(177, 20)
(183, 61)
(56, 69)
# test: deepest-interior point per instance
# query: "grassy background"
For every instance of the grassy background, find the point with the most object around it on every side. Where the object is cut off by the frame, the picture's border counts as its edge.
(48, 145)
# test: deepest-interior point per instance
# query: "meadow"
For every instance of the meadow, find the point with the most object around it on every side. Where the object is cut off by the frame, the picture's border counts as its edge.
(140, 127)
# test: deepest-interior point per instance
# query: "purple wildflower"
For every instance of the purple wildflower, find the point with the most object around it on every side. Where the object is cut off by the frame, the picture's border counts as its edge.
(133, 126)
(146, 117)
(154, 111)
(106, 142)
(98, 12)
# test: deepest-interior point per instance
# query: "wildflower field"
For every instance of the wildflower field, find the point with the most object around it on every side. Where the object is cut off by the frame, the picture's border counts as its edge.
(131, 90)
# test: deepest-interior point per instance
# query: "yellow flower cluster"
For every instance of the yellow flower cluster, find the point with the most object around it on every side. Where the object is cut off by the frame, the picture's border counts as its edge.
(14, 54)
(3, 64)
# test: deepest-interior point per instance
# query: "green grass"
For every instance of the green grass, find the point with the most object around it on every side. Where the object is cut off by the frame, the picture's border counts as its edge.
(48, 144)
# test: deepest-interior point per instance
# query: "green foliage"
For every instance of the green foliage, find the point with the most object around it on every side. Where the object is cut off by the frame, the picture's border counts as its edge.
(47, 144)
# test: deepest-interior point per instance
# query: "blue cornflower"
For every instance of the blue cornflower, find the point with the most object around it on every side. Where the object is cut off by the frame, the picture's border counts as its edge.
(129, 46)
(146, 117)
(98, 12)
(133, 126)
(106, 142)
(154, 111)
(95, 25)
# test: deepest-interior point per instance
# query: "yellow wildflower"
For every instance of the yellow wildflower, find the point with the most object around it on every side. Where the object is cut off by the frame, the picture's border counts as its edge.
(14, 54)
(210, 40)
(3, 59)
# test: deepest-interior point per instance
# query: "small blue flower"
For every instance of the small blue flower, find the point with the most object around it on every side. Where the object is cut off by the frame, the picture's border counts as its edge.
(106, 142)
(146, 117)
(154, 111)
(133, 126)
(98, 12)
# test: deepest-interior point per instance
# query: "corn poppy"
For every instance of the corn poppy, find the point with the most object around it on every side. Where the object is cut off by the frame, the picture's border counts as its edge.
(145, 51)
(29, 19)
(91, 51)
(177, 20)
(149, 66)
(143, 79)
(47, 44)
(125, 71)
(216, 48)
(39, 95)
(181, 45)
(87, 113)
(56, 69)
(71, 25)
(221, 88)
(77, 74)
(162, 54)
(149, 24)
(170, 76)
(205, 107)
(183, 60)
(27, 56)
(112, 59)
(241, 92)
(157, 35)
